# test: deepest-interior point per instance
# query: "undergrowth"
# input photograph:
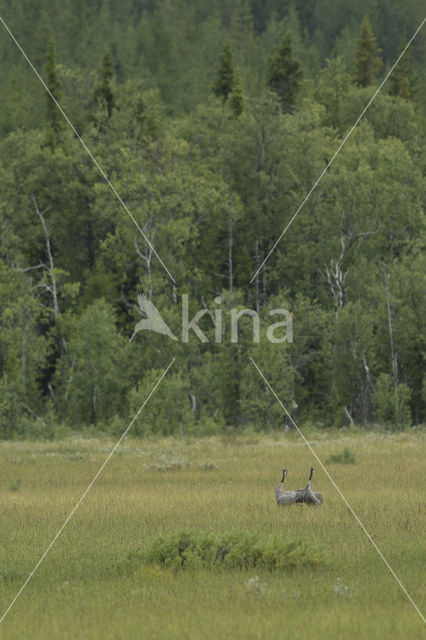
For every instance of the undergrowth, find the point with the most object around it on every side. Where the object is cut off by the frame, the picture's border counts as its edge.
(235, 549)
(346, 457)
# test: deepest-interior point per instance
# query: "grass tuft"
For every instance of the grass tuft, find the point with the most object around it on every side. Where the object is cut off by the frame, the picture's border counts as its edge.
(208, 465)
(170, 463)
(15, 484)
(345, 457)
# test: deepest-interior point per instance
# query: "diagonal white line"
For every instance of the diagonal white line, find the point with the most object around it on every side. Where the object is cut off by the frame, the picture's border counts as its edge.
(341, 494)
(80, 500)
(306, 198)
(85, 147)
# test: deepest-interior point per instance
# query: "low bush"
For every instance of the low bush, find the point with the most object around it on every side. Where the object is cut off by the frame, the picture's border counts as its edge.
(208, 465)
(236, 549)
(345, 457)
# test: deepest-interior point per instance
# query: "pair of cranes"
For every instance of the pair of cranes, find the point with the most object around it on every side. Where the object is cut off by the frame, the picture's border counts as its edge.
(299, 496)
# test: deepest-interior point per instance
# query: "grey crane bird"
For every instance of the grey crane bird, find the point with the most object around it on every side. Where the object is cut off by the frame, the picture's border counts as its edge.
(307, 495)
(284, 497)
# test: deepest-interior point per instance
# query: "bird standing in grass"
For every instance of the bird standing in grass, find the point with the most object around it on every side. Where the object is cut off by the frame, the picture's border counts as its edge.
(284, 497)
(307, 495)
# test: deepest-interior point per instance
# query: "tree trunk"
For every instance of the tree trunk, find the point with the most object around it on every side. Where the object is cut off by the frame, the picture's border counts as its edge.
(147, 258)
(394, 361)
(51, 269)
(393, 356)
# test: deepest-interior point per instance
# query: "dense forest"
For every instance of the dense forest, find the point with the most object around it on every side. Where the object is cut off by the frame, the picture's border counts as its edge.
(212, 121)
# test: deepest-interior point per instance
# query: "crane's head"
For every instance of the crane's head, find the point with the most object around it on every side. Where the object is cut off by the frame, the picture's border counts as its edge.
(284, 475)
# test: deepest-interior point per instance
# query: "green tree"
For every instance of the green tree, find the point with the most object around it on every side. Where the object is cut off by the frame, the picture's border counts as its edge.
(367, 59)
(236, 100)
(224, 82)
(285, 75)
(63, 186)
(23, 351)
(403, 81)
(169, 410)
(95, 386)
(350, 365)
(259, 408)
(104, 94)
(392, 403)
(54, 119)
(332, 88)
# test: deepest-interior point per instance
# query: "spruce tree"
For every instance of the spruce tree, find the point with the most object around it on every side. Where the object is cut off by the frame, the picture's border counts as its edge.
(285, 75)
(224, 83)
(104, 95)
(403, 81)
(367, 60)
(54, 119)
(236, 99)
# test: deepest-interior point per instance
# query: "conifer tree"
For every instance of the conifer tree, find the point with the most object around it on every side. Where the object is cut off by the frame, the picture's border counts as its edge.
(236, 99)
(54, 120)
(104, 95)
(224, 83)
(403, 81)
(367, 59)
(285, 75)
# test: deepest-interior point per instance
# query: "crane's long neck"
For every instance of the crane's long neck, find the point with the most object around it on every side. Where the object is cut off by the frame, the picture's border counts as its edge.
(280, 486)
(308, 486)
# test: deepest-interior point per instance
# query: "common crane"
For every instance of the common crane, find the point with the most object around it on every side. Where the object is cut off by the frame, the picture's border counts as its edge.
(307, 495)
(284, 497)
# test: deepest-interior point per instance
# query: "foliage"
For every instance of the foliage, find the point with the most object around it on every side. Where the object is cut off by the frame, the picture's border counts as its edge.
(236, 100)
(96, 357)
(392, 402)
(54, 119)
(236, 549)
(285, 75)
(224, 83)
(208, 465)
(103, 94)
(404, 80)
(210, 184)
(345, 457)
(367, 60)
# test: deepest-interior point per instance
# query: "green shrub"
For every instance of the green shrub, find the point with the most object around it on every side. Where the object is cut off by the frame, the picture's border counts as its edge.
(393, 408)
(236, 549)
(208, 465)
(346, 457)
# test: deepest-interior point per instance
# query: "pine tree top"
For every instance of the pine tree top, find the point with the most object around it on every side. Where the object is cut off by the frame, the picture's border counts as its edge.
(236, 100)
(367, 59)
(224, 83)
(54, 119)
(285, 74)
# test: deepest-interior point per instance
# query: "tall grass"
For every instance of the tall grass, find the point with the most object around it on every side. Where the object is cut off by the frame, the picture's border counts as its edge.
(109, 576)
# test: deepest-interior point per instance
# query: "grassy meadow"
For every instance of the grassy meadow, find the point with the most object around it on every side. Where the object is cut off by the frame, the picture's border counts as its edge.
(87, 588)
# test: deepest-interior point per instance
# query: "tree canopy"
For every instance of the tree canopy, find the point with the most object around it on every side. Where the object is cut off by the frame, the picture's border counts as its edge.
(212, 121)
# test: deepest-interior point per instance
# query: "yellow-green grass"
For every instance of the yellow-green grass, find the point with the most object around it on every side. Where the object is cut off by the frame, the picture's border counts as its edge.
(84, 589)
